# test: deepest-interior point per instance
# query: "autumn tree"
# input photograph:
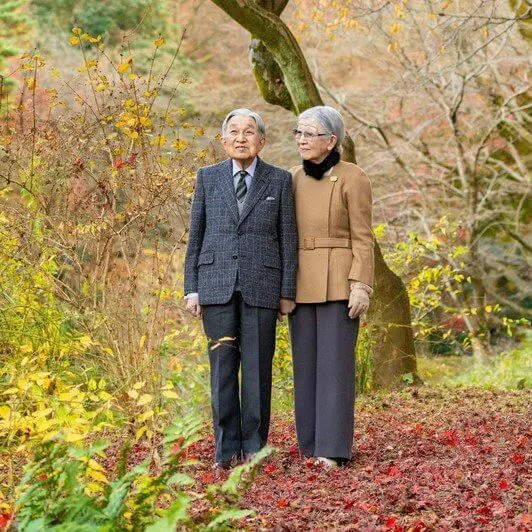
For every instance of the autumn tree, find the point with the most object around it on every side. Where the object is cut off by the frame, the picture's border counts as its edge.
(284, 78)
(446, 121)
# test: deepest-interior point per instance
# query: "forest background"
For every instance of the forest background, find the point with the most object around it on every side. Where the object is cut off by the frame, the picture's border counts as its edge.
(107, 110)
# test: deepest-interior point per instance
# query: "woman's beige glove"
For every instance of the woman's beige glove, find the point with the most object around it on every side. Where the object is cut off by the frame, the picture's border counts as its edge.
(359, 299)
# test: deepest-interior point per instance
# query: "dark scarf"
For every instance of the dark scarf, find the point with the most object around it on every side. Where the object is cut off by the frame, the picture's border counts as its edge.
(317, 170)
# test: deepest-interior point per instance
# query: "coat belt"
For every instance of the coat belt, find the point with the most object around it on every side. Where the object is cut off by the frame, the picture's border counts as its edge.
(311, 242)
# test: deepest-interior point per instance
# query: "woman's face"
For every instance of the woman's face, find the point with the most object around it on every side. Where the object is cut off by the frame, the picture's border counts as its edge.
(313, 142)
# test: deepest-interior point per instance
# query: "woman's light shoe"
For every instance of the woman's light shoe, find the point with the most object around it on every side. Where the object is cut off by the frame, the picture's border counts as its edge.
(328, 463)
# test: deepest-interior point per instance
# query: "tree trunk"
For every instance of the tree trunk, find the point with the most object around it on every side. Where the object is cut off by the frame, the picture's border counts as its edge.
(284, 79)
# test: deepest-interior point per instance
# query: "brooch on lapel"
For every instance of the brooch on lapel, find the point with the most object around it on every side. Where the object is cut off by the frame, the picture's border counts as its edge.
(333, 178)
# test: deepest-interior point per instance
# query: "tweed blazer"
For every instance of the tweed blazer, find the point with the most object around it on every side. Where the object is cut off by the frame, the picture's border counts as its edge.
(259, 245)
(335, 239)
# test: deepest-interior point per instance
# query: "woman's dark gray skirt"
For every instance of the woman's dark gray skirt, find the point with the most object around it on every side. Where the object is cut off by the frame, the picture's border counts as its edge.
(323, 349)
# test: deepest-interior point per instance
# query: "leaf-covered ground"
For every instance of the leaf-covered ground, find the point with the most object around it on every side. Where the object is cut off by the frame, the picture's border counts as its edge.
(424, 460)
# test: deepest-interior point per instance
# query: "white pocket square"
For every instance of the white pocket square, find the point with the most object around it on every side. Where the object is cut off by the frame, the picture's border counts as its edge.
(270, 198)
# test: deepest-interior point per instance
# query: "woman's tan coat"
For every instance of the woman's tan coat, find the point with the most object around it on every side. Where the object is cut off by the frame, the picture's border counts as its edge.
(334, 226)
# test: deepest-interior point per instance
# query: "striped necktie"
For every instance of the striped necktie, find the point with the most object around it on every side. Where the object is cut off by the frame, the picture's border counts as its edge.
(241, 187)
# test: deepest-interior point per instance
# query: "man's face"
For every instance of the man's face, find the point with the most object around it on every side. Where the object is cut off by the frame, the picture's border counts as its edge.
(242, 140)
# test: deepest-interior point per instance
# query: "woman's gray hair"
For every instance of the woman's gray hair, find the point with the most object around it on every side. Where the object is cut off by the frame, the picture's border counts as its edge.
(330, 119)
(245, 112)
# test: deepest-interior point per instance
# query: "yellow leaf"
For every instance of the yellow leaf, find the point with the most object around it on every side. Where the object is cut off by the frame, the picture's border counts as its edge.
(93, 464)
(144, 416)
(395, 28)
(170, 394)
(76, 30)
(92, 488)
(159, 42)
(179, 144)
(5, 411)
(140, 432)
(74, 41)
(97, 475)
(200, 132)
(72, 437)
(144, 399)
(125, 65)
(139, 385)
(10, 391)
(160, 140)
(142, 341)
(101, 87)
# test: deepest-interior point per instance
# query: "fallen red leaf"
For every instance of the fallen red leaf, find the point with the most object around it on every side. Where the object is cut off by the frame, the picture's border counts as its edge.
(282, 503)
(450, 437)
(503, 484)
(208, 478)
(270, 468)
(517, 458)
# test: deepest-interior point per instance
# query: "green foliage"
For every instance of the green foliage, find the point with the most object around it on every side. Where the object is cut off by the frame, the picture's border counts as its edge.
(66, 488)
(150, 17)
(364, 359)
(282, 396)
(13, 24)
(511, 370)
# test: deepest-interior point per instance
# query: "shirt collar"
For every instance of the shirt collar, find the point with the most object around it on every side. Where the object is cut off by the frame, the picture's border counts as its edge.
(250, 169)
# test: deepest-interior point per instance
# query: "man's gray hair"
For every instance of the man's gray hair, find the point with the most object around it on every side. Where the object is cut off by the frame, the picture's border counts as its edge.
(245, 112)
(329, 118)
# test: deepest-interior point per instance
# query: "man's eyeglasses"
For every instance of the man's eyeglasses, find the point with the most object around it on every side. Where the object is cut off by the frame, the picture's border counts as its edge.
(305, 134)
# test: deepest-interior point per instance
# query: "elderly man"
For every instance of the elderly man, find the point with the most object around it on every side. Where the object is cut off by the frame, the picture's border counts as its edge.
(240, 275)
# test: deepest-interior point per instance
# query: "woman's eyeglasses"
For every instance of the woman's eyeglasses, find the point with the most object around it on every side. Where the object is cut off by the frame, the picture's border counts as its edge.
(310, 136)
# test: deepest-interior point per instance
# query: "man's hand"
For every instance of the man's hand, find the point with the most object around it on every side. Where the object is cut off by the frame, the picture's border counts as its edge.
(286, 306)
(193, 306)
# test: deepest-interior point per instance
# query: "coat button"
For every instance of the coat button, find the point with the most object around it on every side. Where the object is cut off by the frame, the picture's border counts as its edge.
(235, 256)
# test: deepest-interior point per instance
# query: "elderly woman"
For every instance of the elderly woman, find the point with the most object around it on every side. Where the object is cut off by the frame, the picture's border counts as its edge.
(334, 277)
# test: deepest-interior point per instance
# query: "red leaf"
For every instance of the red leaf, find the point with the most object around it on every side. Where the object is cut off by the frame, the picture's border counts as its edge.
(294, 451)
(526, 519)
(270, 468)
(450, 437)
(119, 163)
(43, 476)
(484, 510)
(208, 478)
(5, 519)
(517, 458)
(419, 526)
(504, 485)
(391, 521)
(393, 471)
(282, 503)
(349, 505)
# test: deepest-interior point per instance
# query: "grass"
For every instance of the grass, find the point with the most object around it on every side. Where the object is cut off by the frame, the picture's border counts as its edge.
(509, 370)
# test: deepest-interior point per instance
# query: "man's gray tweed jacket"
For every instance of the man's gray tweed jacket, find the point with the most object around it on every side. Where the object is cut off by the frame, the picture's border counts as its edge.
(260, 245)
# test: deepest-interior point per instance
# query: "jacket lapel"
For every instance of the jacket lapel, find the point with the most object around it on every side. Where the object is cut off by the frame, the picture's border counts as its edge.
(258, 184)
(228, 188)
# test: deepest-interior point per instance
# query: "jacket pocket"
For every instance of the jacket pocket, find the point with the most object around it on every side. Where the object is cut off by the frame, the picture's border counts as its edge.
(206, 258)
(271, 262)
